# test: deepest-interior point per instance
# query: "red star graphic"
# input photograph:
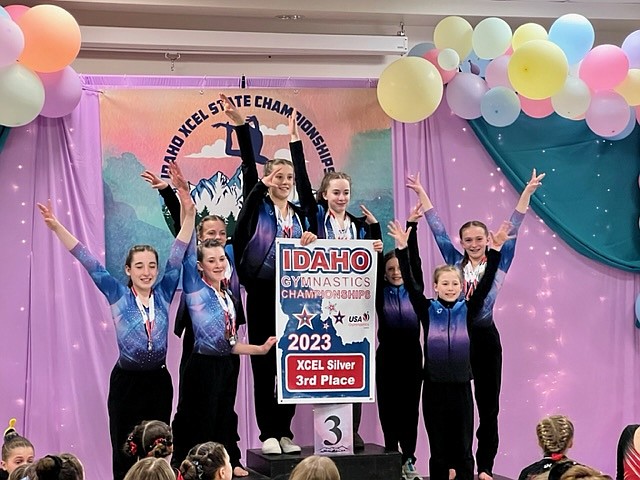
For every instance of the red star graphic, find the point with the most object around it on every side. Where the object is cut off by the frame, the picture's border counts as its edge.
(304, 318)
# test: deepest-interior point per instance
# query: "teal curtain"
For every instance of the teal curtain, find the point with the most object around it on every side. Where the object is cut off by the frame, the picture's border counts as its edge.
(4, 133)
(590, 196)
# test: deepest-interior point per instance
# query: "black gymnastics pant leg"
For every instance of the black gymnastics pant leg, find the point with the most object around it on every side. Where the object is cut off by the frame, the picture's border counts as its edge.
(204, 411)
(135, 396)
(486, 363)
(274, 420)
(399, 382)
(448, 414)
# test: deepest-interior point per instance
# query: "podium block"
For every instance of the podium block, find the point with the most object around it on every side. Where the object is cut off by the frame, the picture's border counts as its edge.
(372, 463)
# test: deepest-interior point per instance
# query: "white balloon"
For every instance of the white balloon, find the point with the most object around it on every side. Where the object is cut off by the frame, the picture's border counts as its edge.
(448, 59)
(21, 95)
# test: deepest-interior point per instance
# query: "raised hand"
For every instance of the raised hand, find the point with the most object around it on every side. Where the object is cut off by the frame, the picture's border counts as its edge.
(48, 216)
(369, 218)
(177, 178)
(502, 235)
(156, 182)
(534, 182)
(399, 234)
(416, 213)
(65, 236)
(269, 180)
(293, 126)
(413, 183)
(230, 110)
(531, 186)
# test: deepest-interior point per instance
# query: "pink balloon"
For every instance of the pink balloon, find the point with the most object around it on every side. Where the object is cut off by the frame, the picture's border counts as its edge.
(62, 92)
(608, 113)
(464, 95)
(16, 11)
(536, 108)
(496, 73)
(432, 56)
(604, 67)
(12, 41)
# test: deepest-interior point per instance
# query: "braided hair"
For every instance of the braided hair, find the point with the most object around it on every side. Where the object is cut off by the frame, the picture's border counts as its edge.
(203, 461)
(555, 434)
(151, 438)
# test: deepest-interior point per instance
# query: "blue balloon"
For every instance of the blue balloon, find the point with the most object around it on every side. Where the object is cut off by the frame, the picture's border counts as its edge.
(4, 14)
(574, 34)
(638, 311)
(628, 129)
(474, 64)
(420, 49)
(500, 106)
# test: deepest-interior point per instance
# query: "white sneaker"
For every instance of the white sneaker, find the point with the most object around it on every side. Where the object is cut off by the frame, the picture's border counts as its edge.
(271, 447)
(288, 446)
(409, 471)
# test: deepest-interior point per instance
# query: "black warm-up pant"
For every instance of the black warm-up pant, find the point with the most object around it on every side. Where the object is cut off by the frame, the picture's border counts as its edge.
(398, 383)
(448, 415)
(274, 420)
(486, 363)
(206, 407)
(135, 396)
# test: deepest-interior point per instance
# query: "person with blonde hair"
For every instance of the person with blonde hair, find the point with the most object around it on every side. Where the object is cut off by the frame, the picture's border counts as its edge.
(575, 471)
(151, 468)
(555, 437)
(315, 468)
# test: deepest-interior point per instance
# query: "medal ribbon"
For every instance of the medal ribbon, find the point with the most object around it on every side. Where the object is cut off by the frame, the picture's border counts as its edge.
(149, 318)
(346, 233)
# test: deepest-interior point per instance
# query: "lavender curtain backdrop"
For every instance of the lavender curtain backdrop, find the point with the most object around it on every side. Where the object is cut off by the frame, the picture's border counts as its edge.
(566, 321)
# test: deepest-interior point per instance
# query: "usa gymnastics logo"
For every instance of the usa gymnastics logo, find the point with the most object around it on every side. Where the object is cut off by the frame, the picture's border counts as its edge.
(360, 320)
(327, 261)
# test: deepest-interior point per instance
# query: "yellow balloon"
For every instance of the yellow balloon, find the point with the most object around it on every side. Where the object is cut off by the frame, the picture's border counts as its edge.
(410, 89)
(630, 87)
(538, 69)
(454, 32)
(527, 32)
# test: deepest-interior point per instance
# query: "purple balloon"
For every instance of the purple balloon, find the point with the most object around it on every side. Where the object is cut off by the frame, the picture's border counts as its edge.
(608, 113)
(464, 95)
(12, 41)
(62, 92)
(631, 46)
(628, 130)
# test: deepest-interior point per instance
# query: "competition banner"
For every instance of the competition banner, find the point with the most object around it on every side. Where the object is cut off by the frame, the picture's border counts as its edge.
(325, 321)
(342, 129)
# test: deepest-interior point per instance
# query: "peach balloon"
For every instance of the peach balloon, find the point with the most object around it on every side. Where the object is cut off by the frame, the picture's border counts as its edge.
(52, 38)
(536, 108)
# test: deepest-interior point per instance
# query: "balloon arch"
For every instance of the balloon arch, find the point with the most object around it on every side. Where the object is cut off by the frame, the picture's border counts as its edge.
(491, 72)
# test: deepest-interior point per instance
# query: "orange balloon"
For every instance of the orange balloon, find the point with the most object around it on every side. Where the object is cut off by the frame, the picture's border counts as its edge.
(51, 38)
